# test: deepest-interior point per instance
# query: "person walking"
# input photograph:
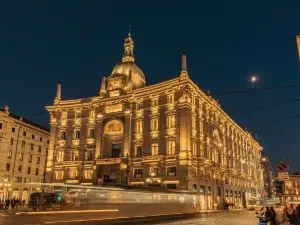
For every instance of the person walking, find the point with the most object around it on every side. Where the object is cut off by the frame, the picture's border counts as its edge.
(268, 214)
(273, 217)
(7, 202)
(291, 215)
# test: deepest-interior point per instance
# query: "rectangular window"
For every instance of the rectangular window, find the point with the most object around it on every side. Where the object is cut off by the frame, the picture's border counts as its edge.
(12, 141)
(171, 123)
(171, 148)
(41, 139)
(36, 171)
(138, 173)
(40, 149)
(47, 141)
(1, 125)
(20, 169)
(13, 129)
(139, 127)
(88, 174)
(194, 149)
(58, 175)
(139, 151)
(32, 137)
(63, 135)
(28, 170)
(23, 144)
(21, 156)
(154, 149)
(24, 133)
(73, 174)
(31, 146)
(30, 158)
(7, 166)
(92, 133)
(9, 153)
(77, 134)
(171, 171)
(154, 124)
(38, 160)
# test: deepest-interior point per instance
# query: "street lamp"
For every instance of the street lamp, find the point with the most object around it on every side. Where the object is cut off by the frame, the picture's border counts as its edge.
(253, 79)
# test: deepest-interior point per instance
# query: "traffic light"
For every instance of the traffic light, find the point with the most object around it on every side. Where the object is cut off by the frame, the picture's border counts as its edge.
(279, 187)
(59, 197)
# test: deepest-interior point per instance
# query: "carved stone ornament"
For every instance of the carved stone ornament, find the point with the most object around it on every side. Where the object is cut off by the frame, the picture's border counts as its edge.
(114, 127)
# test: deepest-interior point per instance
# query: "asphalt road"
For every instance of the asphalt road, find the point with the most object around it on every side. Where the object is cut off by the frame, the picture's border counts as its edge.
(98, 218)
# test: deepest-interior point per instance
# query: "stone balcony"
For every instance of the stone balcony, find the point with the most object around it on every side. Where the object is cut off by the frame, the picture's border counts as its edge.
(76, 142)
(171, 131)
(108, 161)
(90, 141)
(138, 136)
(154, 134)
(62, 143)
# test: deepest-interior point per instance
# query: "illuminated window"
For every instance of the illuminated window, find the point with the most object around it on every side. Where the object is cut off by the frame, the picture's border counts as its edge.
(139, 151)
(154, 124)
(73, 174)
(154, 102)
(75, 156)
(194, 149)
(88, 174)
(138, 173)
(171, 123)
(9, 153)
(139, 127)
(58, 175)
(171, 171)
(171, 148)
(21, 156)
(154, 170)
(155, 149)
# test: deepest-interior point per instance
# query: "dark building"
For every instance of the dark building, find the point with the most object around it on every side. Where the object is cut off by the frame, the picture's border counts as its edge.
(268, 177)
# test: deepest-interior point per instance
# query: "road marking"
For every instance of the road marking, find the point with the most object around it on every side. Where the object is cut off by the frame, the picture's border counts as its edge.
(65, 212)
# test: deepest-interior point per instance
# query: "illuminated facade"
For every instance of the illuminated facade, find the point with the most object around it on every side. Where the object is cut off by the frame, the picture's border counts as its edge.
(292, 189)
(169, 135)
(23, 150)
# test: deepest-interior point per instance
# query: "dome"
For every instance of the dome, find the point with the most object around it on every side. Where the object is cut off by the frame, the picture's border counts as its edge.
(132, 71)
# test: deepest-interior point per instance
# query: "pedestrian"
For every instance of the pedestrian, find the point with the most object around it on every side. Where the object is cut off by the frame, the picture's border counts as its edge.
(292, 216)
(7, 202)
(268, 214)
(23, 202)
(13, 203)
(273, 217)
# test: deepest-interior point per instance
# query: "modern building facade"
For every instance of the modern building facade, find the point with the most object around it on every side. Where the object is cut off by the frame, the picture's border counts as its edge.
(268, 177)
(169, 135)
(23, 152)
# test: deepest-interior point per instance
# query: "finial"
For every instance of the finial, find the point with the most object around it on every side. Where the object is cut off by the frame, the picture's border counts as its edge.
(129, 27)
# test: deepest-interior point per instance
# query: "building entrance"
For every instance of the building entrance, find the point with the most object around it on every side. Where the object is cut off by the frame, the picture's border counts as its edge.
(116, 150)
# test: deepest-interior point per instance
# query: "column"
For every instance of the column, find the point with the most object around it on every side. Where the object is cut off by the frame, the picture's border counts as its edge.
(99, 134)
(127, 134)
(52, 144)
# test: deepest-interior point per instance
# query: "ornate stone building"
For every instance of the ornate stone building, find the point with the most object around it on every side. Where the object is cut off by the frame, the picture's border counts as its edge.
(169, 135)
(23, 152)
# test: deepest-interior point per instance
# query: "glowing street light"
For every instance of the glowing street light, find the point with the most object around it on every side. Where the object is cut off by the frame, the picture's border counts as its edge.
(253, 79)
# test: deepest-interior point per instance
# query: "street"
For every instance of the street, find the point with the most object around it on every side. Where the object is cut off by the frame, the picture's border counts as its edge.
(243, 217)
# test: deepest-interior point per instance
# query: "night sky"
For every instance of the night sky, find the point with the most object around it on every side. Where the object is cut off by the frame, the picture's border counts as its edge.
(225, 41)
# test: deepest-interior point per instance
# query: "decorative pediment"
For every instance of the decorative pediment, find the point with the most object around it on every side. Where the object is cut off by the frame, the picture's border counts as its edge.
(114, 127)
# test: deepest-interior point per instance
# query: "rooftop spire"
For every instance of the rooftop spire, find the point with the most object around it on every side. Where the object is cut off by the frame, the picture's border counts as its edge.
(184, 73)
(128, 48)
(58, 92)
